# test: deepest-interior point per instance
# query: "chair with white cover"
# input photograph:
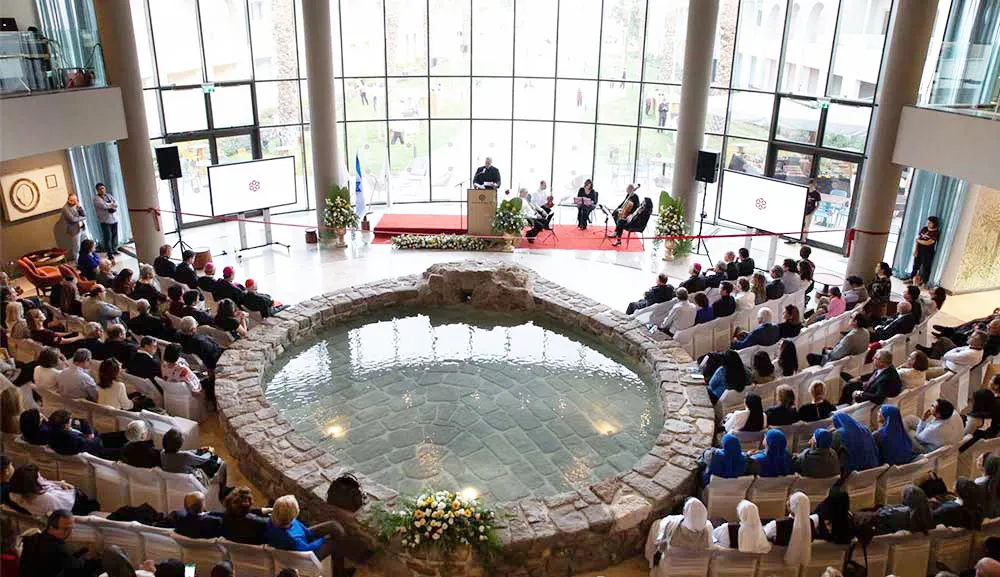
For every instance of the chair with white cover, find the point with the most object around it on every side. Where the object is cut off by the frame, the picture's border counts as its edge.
(722, 333)
(84, 536)
(768, 392)
(144, 486)
(746, 355)
(889, 490)
(945, 461)
(253, 560)
(722, 495)
(990, 528)
(802, 433)
(732, 563)
(103, 418)
(175, 321)
(773, 564)
(52, 401)
(824, 554)
(896, 344)
(26, 350)
(204, 554)
(908, 555)
(770, 494)
(160, 424)
(111, 484)
(750, 440)
(144, 386)
(967, 459)
(165, 283)
(732, 401)
(45, 459)
(703, 339)
(302, 561)
(180, 401)
(17, 449)
(878, 555)
(861, 487)
(815, 489)
(159, 543)
(76, 470)
(221, 337)
(126, 535)
(951, 546)
(908, 402)
(654, 314)
(176, 485)
(683, 564)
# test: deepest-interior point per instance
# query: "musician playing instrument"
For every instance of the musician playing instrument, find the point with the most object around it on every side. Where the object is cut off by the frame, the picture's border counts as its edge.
(628, 206)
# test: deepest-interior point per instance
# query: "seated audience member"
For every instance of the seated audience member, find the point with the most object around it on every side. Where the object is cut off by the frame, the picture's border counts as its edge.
(784, 413)
(943, 344)
(775, 289)
(46, 553)
(65, 440)
(11, 407)
(286, 532)
(774, 461)
(682, 316)
(198, 344)
(854, 291)
(941, 425)
(241, 523)
(175, 368)
(97, 309)
(795, 532)
(115, 346)
(765, 335)
(145, 288)
(50, 363)
(959, 358)
(267, 307)
(820, 312)
(790, 275)
(139, 450)
(838, 305)
(880, 289)
(194, 522)
(758, 285)
(992, 346)
(958, 335)
(913, 514)
(853, 343)
(745, 298)
(191, 308)
(206, 282)
(92, 340)
(67, 297)
(749, 420)
(175, 460)
(112, 393)
(123, 283)
(894, 445)
(88, 260)
(747, 536)
(855, 443)
(34, 427)
(914, 371)
(835, 522)
(727, 462)
(763, 368)
(144, 323)
(175, 295)
(806, 271)
(45, 336)
(732, 267)
(746, 264)
(912, 296)
(819, 460)
(819, 408)
(703, 312)
(985, 407)
(903, 324)
(881, 384)
(6, 472)
(726, 305)
(788, 358)
(75, 381)
(804, 253)
(695, 282)
(732, 375)
(965, 511)
(105, 276)
(231, 319)
(791, 322)
(185, 273)
(40, 497)
(15, 323)
(689, 532)
(145, 363)
(715, 277)
(225, 288)
(661, 292)
(163, 265)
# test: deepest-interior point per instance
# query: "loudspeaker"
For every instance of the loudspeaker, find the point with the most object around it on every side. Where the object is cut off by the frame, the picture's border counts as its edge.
(168, 162)
(708, 166)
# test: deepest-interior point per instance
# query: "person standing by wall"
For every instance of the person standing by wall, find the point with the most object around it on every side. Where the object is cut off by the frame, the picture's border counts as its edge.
(74, 221)
(923, 251)
(106, 209)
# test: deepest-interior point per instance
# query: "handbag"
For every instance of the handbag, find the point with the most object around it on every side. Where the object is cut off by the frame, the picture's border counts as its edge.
(345, 493)
(851, 567)
(934, 486)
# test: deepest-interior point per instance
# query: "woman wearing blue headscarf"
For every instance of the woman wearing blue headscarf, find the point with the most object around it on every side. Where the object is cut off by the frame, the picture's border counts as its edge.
(818, 460)
(728, 462)
(856, 441)
(775, 460)
(894, 445)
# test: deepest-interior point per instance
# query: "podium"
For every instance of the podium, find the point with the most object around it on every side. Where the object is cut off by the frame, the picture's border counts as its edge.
(482, 205)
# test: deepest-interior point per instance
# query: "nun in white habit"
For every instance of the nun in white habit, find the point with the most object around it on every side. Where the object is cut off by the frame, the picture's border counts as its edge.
(689, 532)
(747, 536)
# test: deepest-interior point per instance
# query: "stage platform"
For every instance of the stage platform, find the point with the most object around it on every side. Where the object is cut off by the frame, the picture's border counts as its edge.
(391, 225)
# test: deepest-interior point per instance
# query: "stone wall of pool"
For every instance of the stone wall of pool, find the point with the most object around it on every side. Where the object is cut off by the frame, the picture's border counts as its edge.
(583, 530)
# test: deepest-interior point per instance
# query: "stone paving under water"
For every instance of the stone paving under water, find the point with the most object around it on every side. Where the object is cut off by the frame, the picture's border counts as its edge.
(511, 406)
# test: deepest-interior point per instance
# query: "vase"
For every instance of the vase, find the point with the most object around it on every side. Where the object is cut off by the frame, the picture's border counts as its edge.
(339, 233)
(668, 249)
(508, 241)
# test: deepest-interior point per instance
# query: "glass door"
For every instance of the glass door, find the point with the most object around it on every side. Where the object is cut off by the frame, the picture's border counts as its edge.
(836, 181)
(192, 186)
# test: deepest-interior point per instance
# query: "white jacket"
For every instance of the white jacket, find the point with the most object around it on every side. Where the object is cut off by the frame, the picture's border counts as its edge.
(681, 317)
(960, 358)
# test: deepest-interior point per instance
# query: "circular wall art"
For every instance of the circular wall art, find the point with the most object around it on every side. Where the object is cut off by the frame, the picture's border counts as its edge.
(24, 195)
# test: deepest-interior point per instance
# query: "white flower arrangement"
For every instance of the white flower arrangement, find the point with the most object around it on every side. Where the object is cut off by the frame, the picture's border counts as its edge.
(441, 242)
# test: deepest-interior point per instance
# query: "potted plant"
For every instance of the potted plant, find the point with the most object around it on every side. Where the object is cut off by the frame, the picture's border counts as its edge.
(339, 214)
(508, 221)
(671, 222)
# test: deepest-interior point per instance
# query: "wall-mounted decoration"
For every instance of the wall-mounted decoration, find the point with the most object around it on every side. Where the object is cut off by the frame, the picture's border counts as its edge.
(33, 192)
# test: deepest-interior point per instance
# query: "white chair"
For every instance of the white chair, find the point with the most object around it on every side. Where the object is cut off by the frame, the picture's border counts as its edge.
(176, 485)
(860, 412)
(302, 561)
(703, 339)
(861, 487)
(722, 333)
(773, 564)
(111, 485)
(967, 459)
(124, 534)
(802, 433)
(952, 547)
(750, 440)
(159, 543)
(221, 337)
(889, 490)
(908, 402)
(770, 494)
(815, 489)
(878, 555)
(84, 536)
(908, 556)
(144, 486)
(683, 564)
(203, 553)
(178, 400)
(160, 424)
(945, 461)
(732, 401)
(824, 554)
(732, 563)
(253, 560)
(144, 386)
(654, 314)
(45, 459)
(76, 470)
(722, 495)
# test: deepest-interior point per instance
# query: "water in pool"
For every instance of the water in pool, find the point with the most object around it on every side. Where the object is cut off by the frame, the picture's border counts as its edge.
(458, 398)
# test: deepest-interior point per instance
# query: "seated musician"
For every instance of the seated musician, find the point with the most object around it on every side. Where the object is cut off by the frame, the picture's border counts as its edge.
(635, 220)
(539, 223)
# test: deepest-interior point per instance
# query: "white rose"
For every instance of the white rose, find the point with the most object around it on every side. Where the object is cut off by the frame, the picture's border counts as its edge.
(482, 529)
(436, 536)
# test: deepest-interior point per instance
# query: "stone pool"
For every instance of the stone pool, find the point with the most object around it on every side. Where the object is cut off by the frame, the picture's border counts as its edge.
(510, 405)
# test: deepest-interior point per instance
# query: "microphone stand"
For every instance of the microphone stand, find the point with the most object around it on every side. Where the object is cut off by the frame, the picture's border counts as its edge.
(701, 225)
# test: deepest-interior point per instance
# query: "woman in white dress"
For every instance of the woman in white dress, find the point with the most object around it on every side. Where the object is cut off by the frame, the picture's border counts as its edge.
(688, 532)
(747, 536)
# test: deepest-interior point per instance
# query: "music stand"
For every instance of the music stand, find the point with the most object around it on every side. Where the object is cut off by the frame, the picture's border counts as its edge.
(607, 217)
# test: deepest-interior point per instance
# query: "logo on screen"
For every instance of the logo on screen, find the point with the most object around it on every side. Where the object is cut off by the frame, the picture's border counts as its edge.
(761, 204)
(254, 185)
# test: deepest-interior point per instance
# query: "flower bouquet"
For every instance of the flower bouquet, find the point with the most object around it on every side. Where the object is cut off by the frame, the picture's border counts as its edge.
(340, 214)
(509, 222)
(441, 242)
(671, 222)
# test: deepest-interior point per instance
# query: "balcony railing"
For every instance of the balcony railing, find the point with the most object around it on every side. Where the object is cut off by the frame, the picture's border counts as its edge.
(28, 64)
(989, 111)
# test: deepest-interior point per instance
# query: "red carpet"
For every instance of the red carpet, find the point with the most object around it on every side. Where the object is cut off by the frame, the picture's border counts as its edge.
(566, 237)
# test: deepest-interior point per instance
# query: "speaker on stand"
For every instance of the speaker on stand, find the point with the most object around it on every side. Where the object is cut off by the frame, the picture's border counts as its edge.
(706, 171)
(168, 163)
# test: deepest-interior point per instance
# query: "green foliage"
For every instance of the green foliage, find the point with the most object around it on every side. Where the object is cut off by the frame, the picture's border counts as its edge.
(508, 218)
(441, 242)
(671, 222)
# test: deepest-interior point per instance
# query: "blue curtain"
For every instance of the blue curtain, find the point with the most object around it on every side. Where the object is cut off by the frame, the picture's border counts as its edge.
(931, 194)
(71, 27)
(99, 163)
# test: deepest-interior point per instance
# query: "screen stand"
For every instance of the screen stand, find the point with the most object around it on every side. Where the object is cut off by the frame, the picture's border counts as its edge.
(268, 238)
(772, 252)
(175, 199)
(700, 243)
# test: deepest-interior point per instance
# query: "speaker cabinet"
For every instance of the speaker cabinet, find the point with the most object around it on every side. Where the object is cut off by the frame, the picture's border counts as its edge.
(708, 166)
(168, 162)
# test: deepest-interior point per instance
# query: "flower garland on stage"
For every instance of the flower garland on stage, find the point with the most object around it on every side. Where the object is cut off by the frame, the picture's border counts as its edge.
(441, 242)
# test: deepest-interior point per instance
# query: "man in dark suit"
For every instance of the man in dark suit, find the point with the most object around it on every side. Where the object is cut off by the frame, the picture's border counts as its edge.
(784, 413)
(225, 288)
(766, 334)
(732, 268)
(746, 263)
(145, 363)
(903, 324)
(117, 347)
(46, 553)
(260, 302)
(190, 310)
(185, 273)
(193, 522)
(715, 277)
(140, 451)
(65, 440)
(146, 324)
(661, 292)
(206, 282)
(775, 289)
(162, 264)
(881, 384)
(695, 283)
(726, 305)
(487, 176)
(242, 523)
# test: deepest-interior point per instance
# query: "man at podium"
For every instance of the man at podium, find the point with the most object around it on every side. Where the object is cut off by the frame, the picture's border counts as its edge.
(487, 176)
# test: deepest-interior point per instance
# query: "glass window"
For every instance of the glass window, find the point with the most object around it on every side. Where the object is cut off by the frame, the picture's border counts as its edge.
(410, 166)
(272, 34)
(143, 44)
(532, 155)
(793, 166)
(798, 120)
(572, 158)
(493, 37)
(450, 97)
(749, 156)
(661, 105)
(857, 54)
(614, 161)
(368, 140)
(451, 30)
(807, 53)
(618, 104)
(533, 98)
(184, 110)
(450, 141)
(846, 127)
(725, 41)
(579, 38)
(715, 114)
(750, 114)
(758, 45)
(163, 195)
(712, 143)
(277, 103)
(655, 167)
(363, 37)
(665, 34)
(300, 38)
(192, 186)
(231, 106)
(227, 47)
(407, 98)
(835, 181)
(536, 37)
(304, 95)
(234, 148)
(406, 37)
(152, 113)
(175, 36)
(576, 100)
(491, 97)
(307, 147)
(287, 141)
(621, 39)
(492, 138)
(365, 99)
